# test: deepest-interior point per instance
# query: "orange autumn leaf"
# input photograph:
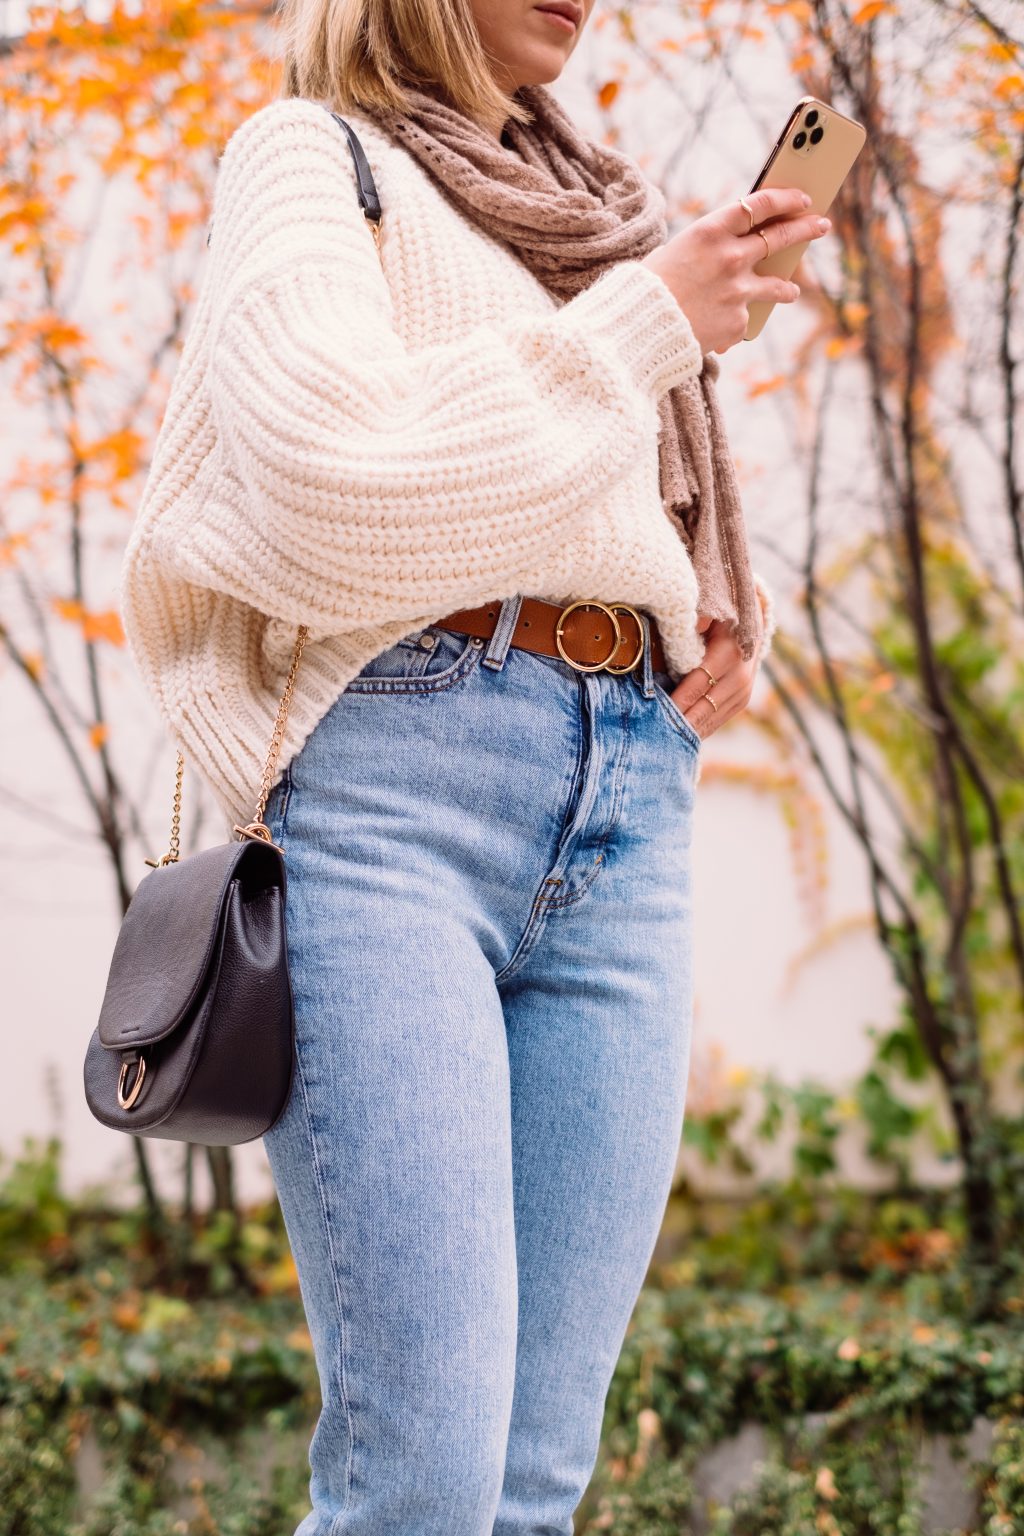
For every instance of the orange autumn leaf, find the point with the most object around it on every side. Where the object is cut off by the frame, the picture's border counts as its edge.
(91, 92)
(68, 608)
(870, 10)
(98, 734)
(123, 448)
(855, 313)
(30, 213)
(767, 386)
(839, 346)
(95, 626)
(57, 332)
(10, 545)
(103, 626)
(607, 94)
(194, 134)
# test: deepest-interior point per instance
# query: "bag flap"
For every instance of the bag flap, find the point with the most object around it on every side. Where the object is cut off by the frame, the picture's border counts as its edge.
(168, 939)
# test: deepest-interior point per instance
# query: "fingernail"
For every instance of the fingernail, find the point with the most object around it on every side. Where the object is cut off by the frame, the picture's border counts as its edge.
(824, 223)
(807, 199)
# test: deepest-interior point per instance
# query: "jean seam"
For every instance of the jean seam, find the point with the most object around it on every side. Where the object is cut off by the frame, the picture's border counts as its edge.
(552, 903)
(618, 798)
(534, 923)
(342, 1343)
(527, 940)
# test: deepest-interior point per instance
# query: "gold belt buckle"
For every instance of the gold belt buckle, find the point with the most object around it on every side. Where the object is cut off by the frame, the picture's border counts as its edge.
(611, 609)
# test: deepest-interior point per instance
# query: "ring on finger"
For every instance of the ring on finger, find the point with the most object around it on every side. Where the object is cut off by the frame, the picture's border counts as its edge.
(764, 237)
(711, 701)
(711, 680)
(750, 212)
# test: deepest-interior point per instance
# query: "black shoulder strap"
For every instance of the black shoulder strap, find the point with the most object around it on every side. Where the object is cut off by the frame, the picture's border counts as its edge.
(369, 198)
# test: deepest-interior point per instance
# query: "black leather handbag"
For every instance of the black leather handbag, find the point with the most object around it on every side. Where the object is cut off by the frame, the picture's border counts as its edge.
(196, 1036)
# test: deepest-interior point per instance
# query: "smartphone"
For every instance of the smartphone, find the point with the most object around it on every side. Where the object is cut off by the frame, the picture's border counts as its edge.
(815, 152)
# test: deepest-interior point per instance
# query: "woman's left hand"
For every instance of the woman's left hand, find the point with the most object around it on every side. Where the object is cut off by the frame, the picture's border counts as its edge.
(734, 679)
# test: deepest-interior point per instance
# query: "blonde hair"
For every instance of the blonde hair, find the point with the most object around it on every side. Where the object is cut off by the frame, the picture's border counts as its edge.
(360, 54)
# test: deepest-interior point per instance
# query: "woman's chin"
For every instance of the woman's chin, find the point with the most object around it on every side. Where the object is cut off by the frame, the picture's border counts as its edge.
(542, 70)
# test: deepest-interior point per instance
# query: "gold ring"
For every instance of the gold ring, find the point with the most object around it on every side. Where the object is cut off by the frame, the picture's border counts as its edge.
(711, 680)
(560, 626)
(625, 608)
(750, 212)
(764, 237)
(711, 701)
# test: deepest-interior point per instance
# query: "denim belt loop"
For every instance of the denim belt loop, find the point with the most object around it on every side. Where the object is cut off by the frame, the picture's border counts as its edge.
(497, 648)
(646, 669)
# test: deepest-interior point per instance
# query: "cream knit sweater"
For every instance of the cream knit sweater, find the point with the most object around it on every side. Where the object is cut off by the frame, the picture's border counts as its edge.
(365, 450)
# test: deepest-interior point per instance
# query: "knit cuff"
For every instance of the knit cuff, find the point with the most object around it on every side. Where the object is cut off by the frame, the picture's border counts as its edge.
(632, 308)
(771, 623)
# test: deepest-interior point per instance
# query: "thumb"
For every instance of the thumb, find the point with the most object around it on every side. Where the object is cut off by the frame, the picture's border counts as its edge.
(704, 622)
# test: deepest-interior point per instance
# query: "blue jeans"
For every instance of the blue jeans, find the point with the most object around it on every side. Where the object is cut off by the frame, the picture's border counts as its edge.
(490, 944)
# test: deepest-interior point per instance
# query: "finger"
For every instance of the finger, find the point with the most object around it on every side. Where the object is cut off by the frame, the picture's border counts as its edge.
(722, 659)
(768, 203)
(727, 698)
(772, 290)
(704, 719)
(789, 232)
(704, 621)
(703, 715)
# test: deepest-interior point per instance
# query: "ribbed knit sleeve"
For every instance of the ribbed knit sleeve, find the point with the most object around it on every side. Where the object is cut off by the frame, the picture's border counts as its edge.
(766, 598)
(371, 480)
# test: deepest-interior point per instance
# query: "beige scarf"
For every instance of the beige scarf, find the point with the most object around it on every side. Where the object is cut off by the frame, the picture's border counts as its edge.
(570, 208)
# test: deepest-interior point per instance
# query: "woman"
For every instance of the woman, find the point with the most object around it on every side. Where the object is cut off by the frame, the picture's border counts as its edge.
(426, 454)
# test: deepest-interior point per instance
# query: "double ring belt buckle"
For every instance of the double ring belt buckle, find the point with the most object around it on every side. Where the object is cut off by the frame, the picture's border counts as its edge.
(612, 610)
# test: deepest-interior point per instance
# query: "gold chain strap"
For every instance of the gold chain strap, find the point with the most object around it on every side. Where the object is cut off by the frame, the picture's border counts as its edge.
(256, 828)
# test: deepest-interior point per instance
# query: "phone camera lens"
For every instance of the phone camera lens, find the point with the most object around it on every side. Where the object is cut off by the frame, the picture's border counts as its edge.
(812, 117)
(799, 140)
(817, 134)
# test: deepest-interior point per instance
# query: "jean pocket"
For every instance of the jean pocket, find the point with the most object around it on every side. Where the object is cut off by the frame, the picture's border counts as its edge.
(673, 714)
(425, 661)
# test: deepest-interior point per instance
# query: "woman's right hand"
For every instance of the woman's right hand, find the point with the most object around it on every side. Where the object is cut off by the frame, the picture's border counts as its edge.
(709, 266)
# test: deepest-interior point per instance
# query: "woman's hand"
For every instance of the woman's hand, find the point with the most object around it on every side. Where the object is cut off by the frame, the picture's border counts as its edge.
(709, 265)
(734, 679)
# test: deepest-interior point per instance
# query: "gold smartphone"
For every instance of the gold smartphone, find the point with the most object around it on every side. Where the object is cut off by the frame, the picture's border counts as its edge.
(815, 152)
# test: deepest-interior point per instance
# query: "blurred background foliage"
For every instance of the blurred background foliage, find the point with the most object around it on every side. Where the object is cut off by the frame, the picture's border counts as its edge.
(164, 1348)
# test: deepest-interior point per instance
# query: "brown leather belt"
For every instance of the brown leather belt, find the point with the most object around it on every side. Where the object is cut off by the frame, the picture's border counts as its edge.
(589, 635)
